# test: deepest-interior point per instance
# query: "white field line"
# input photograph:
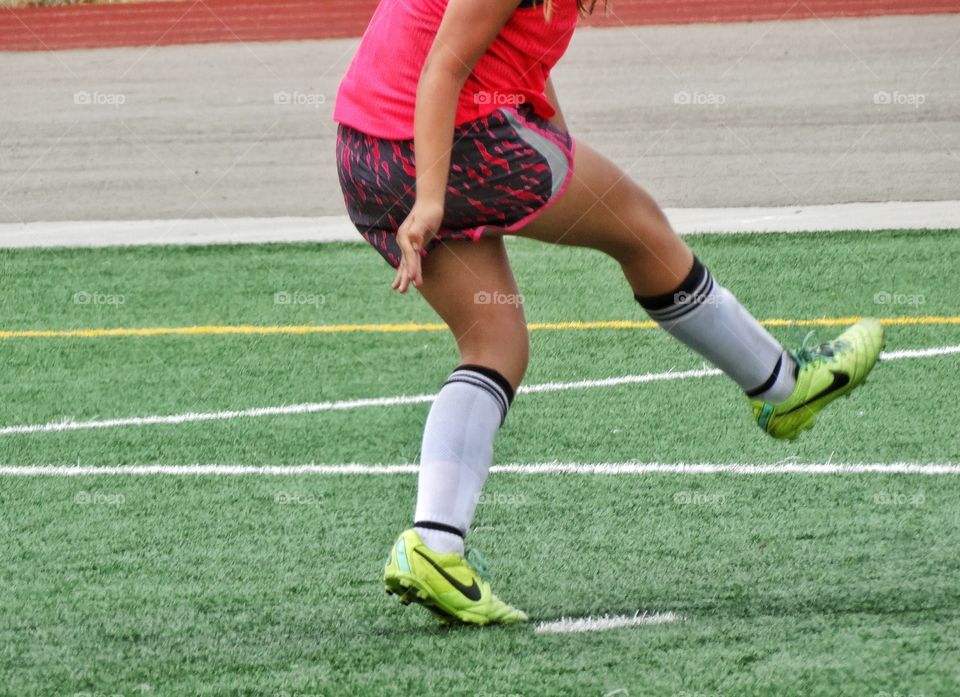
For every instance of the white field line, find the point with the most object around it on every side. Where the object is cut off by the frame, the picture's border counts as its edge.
(314, 407)
(622, 380)
(706, 468)
(575, 625)
(887, 215)
(192, 417)
(920, 353)
(547, 468)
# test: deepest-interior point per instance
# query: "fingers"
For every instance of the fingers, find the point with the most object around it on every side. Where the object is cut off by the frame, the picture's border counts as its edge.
(409, 271)
(400, 278)
(405, 271)
(414, 270)
(409, 239)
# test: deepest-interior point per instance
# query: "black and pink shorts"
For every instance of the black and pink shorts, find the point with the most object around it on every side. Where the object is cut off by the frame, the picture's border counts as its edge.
(505, 169)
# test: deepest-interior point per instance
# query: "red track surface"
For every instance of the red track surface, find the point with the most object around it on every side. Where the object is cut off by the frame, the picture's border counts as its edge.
(204, 21)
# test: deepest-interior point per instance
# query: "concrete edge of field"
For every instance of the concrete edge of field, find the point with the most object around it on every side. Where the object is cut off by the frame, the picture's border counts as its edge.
(888, 215)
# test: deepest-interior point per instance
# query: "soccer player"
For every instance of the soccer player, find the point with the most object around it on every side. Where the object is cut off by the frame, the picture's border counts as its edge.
(451, 136)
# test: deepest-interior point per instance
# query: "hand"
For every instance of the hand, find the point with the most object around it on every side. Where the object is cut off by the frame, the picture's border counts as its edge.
(414, 234)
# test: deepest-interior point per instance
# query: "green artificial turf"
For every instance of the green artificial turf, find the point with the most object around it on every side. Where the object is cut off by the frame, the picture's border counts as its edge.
(787, 584)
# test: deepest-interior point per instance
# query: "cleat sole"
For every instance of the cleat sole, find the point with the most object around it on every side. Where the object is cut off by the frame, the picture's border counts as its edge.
(408, 591)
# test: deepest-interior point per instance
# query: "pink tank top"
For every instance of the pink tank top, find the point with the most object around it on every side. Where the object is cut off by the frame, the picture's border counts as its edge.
(378, 94)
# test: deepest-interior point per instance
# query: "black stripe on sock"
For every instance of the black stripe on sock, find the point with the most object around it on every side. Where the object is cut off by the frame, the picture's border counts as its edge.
(494, 375)
(687, 287)
(770, 380)
(685, 303)
(468, 379)
(430, 525)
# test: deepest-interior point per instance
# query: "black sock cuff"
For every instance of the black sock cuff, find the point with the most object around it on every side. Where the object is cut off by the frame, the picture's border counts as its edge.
(494, 375)
(442, 527)
(770, 380)
(695, 291)
(688, 287)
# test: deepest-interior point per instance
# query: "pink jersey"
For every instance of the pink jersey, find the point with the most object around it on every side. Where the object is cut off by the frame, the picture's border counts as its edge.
(378, 93)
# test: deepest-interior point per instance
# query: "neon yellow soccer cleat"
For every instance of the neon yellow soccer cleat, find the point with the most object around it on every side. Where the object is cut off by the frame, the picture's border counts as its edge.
(448, 585)
(825, 372)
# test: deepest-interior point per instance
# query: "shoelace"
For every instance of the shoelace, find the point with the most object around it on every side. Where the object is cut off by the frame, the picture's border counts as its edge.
(475, 560)
(811, 351)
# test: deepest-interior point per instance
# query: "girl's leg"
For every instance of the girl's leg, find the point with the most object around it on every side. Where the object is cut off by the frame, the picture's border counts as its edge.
(472, 288)
(605, 210)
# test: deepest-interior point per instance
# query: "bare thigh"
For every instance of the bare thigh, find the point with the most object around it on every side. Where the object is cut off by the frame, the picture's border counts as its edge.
(471, 286)
(606, 210)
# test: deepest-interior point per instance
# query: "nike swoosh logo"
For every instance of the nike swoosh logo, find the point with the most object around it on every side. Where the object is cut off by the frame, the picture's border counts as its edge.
(471, 592)
(840, 380)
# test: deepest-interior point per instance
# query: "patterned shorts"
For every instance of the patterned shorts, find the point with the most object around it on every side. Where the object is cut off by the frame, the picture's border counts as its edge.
(505, 168)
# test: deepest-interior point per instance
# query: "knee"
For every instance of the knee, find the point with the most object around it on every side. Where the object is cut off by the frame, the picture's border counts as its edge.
(644, 231)
(503, 346)
(651, 239)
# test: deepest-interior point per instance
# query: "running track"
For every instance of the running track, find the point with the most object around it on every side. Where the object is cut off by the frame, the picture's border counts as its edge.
(210, 21)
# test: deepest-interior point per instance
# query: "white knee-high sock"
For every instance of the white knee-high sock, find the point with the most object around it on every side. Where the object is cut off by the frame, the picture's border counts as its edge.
(709, 319)
(457, 453)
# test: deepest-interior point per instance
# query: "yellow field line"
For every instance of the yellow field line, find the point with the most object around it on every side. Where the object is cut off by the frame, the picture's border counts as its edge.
(246, 329)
